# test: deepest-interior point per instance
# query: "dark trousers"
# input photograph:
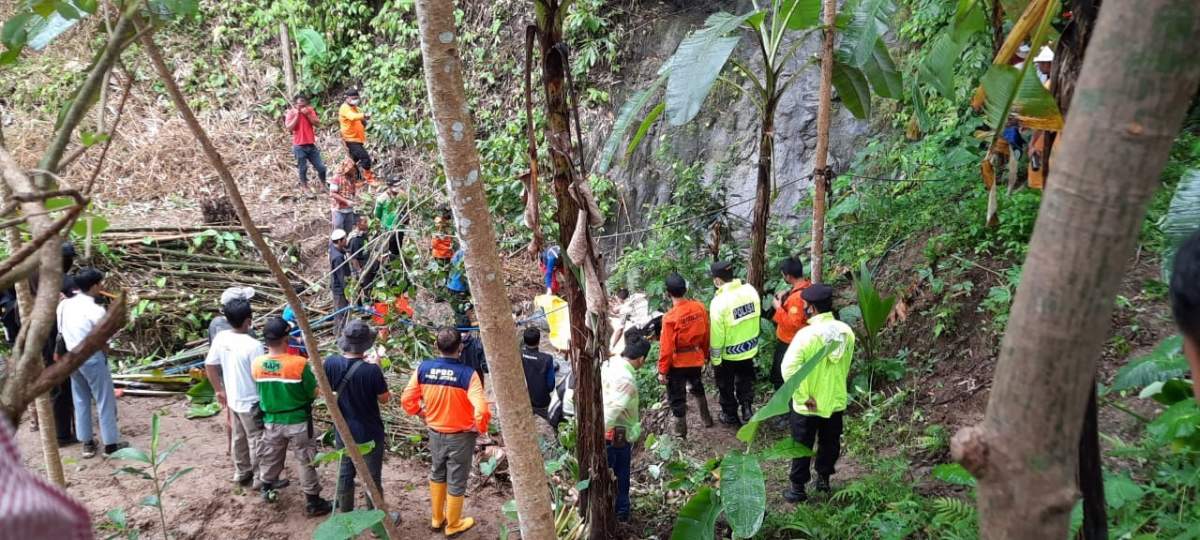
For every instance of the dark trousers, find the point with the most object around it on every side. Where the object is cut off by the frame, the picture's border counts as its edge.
(735, 384)
(305, 154)
(359, 154)
(826, 434)
(777, 364)
(346, 474)
(678, 381)
(619, 461)
(339, 302)
(395, 241)
(64, 412)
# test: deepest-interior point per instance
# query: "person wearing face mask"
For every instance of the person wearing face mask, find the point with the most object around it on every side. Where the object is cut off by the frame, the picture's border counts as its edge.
(353, 123)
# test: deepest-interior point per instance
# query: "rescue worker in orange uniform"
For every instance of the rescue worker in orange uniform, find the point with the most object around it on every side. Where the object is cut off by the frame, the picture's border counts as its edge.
(788, 313)
(683, 350)
(442, 243)
(449, 396)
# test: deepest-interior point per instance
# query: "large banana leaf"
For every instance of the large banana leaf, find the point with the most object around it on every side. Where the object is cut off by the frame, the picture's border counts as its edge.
(781, 401)
(800, 14)
(918, 102)
(1182, 218)
(697, 63)
(881, 72)
(743, 493)
(697, 520)
(1008, 89)
(864, 22)
(937, 68)
(852, 87)
(624, 120)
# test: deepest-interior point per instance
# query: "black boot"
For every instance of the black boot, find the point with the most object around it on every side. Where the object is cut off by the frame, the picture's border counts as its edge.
(705, 416)
(747, 412)
(823, 484)
(730, 419)
(316, 506)
(681, 427)
(794, 495)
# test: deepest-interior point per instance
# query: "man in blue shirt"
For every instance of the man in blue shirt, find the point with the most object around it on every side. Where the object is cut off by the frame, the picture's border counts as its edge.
(361, 388)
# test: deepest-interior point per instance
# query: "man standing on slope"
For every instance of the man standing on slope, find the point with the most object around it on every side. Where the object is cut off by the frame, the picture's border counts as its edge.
(288, 388)
(734, 315)
(228, 364)
(788, 313)
(353, 123)
(618, 383)
(360, 389)
(340, 271)
(449, 396)
(819, 401)
(540, 371)
(683, 350)
(300, 119)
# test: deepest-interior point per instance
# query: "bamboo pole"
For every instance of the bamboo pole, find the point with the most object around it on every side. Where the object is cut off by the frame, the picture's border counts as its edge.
(310, 340)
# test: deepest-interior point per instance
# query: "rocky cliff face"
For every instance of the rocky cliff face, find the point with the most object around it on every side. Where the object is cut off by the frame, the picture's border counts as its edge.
(724, 137)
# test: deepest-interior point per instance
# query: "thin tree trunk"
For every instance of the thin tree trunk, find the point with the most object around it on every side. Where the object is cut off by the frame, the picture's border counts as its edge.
(597, 501)
(821, 159)
(285, 52)
(1068, 62)
(460, 160)
(756, 273)
(310, 340)
(1138, 75)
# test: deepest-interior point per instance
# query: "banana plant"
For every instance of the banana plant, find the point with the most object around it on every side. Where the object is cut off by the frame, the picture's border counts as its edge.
(875, 309)
(777, 29)
(741, 495)
(1182, 217)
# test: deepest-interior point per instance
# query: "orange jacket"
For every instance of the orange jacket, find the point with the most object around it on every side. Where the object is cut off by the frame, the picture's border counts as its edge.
(350, 120)
(684, 340)
(791, 318)
(443, 246)
(449, 394)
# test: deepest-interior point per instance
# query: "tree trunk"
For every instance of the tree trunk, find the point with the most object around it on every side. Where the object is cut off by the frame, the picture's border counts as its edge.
(821, 159)
(756, 275)
(460, 159)
(1137, 77)
(285, 51)
(597, 501)
(272, 262)
(1068, 61)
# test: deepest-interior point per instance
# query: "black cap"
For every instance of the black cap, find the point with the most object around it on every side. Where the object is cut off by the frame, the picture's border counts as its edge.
(721, 270)
(356, 337)
(635, 349)
(352, 92)
(85, 278)
(817, 293)
(68, 250)
(276, 329)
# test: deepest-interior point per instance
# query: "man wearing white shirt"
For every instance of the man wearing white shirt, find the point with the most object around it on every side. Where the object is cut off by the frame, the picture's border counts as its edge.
(77, 316)
(229, 364)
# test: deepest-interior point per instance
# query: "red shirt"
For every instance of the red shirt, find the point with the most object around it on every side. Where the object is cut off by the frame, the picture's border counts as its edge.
(302, 134)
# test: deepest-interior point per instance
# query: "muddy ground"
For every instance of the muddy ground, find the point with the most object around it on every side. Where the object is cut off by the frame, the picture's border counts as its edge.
(206, 504)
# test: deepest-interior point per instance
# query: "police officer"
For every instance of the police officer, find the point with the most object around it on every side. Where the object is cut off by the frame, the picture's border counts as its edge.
(733, 342)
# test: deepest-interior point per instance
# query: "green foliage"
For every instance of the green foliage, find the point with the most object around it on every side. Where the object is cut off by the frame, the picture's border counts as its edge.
(953, 473)
(153, 461)
(347, 525)
(743, 493)
(697, 63)
(1164, 363)
(1182, 218)
(203, 411)
(333, 456)
(698, 518)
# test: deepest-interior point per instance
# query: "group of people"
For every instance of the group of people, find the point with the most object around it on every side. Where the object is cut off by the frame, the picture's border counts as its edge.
(727, 336)
(269, 391)
(90, 386)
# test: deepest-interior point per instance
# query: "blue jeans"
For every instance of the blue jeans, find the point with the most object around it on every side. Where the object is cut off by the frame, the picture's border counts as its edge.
(92, 381)
(619, 460)
(305, 154)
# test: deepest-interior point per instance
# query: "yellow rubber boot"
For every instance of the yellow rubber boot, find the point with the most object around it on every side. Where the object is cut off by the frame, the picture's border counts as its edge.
(456, 524)
(437, 496)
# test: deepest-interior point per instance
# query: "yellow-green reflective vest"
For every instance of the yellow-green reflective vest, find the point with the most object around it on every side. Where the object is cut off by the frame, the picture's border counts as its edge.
(733, 326)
